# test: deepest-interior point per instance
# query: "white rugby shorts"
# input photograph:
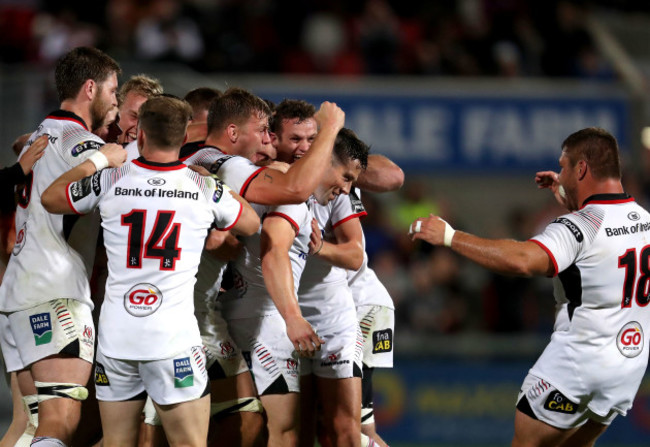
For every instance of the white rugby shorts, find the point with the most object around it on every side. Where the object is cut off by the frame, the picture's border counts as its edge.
(61, 326)
(220, 348)
(342, 349)
(177, 379)
(271, 354)
(551, 406)
(377, 324)
(8, 347)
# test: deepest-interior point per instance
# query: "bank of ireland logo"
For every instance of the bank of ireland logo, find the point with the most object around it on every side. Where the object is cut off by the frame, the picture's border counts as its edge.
(42, 328)
(142, 300)
(630, 339)
(183, 373)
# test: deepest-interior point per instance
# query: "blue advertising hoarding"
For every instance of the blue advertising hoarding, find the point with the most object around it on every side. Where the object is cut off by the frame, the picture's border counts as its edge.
(433, 131)
(432, 402)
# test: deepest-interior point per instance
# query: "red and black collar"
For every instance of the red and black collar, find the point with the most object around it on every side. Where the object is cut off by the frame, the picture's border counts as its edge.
(67, 116)
(171, 166)
(607, 199)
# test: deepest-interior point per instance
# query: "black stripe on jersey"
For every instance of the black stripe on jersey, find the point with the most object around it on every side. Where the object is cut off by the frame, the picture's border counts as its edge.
(571, 279)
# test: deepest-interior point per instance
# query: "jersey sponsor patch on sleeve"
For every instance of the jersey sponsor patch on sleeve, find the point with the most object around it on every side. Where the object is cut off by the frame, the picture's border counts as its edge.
(80, 189)
(96, 183)
(84, 146)
(355, 201)
(571, 226)
(558, 402)
(218, 191)
(214, 169)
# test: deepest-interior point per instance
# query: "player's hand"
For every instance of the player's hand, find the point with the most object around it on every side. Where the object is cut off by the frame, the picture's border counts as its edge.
(315, 239)
(115, 154)
(330, 114)
(223, 245)
(551, 180)
(305, 340)
(279, 166)
(33, 153)
(429, 229)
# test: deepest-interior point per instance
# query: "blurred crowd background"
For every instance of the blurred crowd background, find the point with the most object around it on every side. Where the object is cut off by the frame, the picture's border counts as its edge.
(435, 292)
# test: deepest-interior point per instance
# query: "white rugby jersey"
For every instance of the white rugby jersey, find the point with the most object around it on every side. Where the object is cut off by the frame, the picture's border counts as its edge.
(155, 218)
(240, 171)
(598, 349)
(319, 273)
(43, 266)
(249, 298)
(366, 287)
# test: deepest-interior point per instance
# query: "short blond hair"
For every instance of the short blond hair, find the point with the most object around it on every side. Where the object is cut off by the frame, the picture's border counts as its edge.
(141, 84)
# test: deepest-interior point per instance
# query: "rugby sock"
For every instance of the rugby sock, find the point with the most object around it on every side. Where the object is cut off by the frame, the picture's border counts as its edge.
(30, 404)
(367, 442)
(44, 441)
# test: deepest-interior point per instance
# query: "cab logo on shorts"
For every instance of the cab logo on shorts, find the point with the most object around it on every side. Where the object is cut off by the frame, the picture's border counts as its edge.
(560, 404)
(183, 373)
(142, 300)
(382, 341)
(84, 146)
(42, 328)
(100, 375)
(629, 340)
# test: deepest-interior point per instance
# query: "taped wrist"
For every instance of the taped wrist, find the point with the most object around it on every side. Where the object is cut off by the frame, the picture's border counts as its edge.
(449, 234)
(99, 160)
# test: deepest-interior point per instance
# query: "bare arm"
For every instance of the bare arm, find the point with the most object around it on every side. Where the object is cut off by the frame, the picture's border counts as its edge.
(54, 198)
(347, 251)
(503, 256)
(381, 175)
(276, 240)
(273, 187)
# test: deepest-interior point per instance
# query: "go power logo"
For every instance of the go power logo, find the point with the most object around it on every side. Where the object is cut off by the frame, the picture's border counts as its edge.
(630, 339)
(142, 300)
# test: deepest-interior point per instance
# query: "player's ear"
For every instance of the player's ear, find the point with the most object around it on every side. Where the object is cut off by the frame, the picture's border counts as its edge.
(233, 132)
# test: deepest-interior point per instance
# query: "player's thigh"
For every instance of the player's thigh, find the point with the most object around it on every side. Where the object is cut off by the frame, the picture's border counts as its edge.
(586, 435)
(282, 411)
(531, 432)
(340, 399)
(120, 422)
(186, 423)
(234, 387)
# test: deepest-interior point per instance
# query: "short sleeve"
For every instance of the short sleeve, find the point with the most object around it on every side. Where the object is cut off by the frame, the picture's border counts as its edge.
(562, 240)
(296, 214)
(237, 172)
(225, 207)
(79, 144)
(84, 195)
(346, 207)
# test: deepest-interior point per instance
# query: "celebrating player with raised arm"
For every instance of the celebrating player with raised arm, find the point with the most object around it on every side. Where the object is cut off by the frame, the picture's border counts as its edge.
(593, 366)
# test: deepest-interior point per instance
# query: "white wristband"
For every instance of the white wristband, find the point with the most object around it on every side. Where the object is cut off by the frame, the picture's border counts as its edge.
(99, 160)
(449, 234)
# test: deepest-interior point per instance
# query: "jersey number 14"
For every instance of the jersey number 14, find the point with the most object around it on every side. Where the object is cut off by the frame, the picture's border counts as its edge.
(161, 244)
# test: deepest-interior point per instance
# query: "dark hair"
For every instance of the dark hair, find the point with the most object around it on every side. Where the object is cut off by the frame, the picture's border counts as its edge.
(201, 98)
(236, 106)
(348, 146)
(598, 148)
(291, 109)
(75, 67)
(164, 121)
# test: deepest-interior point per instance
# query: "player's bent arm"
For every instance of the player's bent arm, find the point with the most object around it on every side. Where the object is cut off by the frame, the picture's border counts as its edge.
(505, 256)
(248, 222)
(273, 187)
(276, 240)
(381, 175)
(347, 251)
(54, 198)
